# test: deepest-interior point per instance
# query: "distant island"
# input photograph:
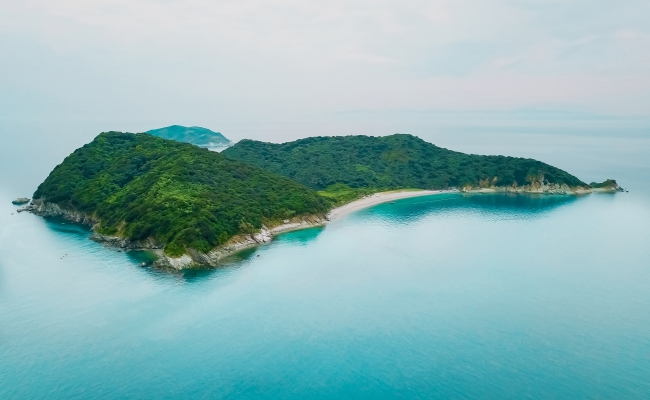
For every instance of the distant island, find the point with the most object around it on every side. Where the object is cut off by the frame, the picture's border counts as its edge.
(194, 134)
(193, 207)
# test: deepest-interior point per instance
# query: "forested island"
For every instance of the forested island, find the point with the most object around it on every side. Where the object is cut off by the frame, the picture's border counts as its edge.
(194, 207)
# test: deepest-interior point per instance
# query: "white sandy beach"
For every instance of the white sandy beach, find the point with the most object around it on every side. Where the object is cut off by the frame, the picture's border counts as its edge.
(378, 198)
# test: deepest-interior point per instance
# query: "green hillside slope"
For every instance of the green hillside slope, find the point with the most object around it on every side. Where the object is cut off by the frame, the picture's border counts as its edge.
(391, 162)
(138, 186)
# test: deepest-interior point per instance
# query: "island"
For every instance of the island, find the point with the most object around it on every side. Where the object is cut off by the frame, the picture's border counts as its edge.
(194, 134)
(194, 207)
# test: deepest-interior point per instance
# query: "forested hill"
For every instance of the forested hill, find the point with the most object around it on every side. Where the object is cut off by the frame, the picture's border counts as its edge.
(139, 186)
(391, 162)
(193, 134)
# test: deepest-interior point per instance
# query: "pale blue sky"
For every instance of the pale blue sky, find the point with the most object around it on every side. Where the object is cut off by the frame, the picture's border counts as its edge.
(201, 62)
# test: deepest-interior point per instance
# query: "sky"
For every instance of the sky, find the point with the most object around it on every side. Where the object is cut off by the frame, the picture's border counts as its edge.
(565, 82)
(195, 61)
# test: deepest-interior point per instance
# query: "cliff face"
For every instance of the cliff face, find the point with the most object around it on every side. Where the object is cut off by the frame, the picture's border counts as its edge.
(45, 209)
(538, 184)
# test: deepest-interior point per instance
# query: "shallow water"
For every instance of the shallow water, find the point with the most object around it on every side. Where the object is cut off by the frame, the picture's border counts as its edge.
(445, 296)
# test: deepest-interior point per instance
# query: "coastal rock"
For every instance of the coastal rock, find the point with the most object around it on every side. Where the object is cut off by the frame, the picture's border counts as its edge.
(45, 209)
(215, 257)
(173, 263)
(20, 201)
(109, 240)
(126, 244)
(264, 236)
(539, 184)
(193, 258)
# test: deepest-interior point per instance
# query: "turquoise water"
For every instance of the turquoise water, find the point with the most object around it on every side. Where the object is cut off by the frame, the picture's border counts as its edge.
(443, 297)
(446, 296)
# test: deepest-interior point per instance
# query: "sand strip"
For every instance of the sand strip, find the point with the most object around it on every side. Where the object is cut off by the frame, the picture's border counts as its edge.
(379, 198)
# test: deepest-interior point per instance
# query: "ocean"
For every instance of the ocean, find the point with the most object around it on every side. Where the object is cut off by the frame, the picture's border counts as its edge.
(448, 296)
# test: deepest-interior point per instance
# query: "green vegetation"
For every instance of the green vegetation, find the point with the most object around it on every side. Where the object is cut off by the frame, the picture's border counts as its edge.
(340, 193)
(193, 134)
(608, 184)
(390, 162)
(139, 186)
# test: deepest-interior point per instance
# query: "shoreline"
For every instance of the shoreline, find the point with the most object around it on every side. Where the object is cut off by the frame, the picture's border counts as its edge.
(380, 198)
(266, 234)
(196, 259)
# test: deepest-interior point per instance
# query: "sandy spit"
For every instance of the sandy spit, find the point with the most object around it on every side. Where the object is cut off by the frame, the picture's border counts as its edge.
(379, 198)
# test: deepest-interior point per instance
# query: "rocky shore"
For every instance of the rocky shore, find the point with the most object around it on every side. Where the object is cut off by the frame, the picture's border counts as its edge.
(539, 184)
(195, 258)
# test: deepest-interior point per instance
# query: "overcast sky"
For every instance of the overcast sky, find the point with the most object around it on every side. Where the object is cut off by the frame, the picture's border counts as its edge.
(196, 60)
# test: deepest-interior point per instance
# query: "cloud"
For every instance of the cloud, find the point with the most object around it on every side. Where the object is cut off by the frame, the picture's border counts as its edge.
(247, 58)
(629, 35)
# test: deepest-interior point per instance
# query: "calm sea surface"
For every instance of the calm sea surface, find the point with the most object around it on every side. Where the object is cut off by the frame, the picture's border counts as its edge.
(438, 297)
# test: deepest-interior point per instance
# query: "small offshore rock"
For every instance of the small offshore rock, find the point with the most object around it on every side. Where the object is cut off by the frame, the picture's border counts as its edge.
(20, 201)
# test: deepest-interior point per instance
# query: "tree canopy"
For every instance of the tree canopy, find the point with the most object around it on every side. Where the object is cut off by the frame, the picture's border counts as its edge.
(139, 186)
(390, 162)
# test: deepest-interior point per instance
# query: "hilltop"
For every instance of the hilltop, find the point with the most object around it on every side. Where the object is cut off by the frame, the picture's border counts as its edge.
(141, 191)
(353, 163)
(194, 134)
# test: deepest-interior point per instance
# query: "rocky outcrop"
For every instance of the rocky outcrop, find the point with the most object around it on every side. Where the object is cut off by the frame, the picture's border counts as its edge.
(45, 209)
(126, 244)
(215, 257)
(193, 258)
(538, 184)
(608, 185)
(20, 201)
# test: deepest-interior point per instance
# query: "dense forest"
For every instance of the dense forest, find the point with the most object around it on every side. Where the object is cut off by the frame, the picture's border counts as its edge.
(140, 186)
(390, 162)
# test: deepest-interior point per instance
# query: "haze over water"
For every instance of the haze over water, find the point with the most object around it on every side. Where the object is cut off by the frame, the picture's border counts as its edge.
(448, 296)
